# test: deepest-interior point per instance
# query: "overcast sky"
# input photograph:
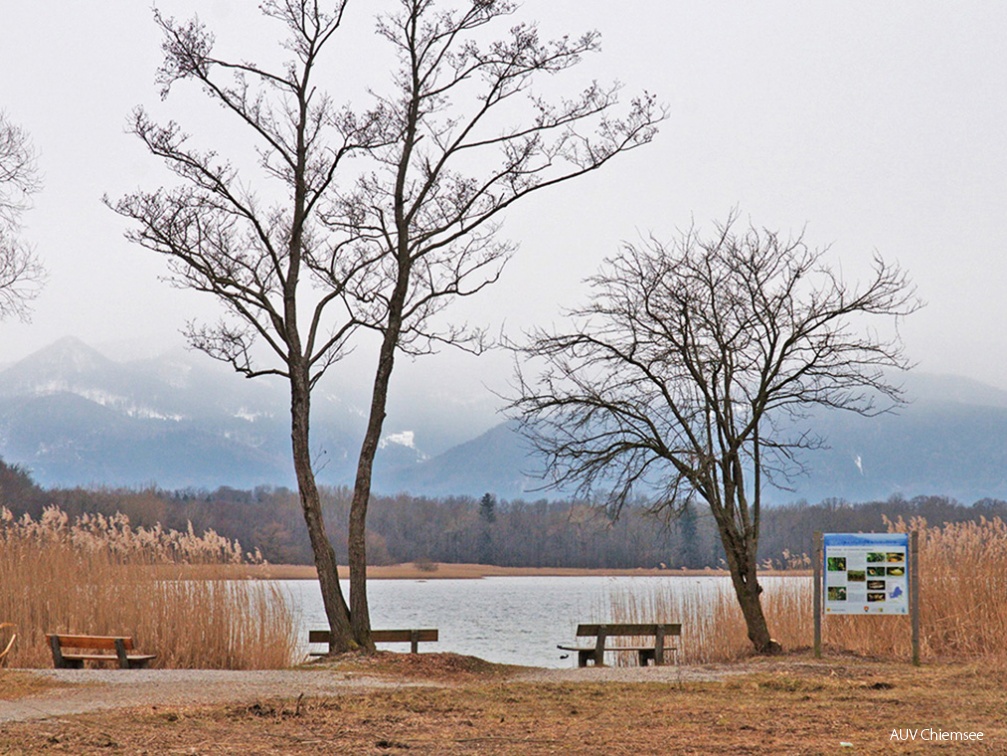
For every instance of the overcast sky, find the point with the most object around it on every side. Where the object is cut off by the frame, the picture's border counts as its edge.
(878, 126)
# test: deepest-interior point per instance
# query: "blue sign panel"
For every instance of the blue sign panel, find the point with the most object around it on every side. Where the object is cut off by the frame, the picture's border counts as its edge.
(866, 573)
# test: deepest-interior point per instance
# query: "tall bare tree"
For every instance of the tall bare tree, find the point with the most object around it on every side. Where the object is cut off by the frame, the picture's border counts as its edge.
(419, 226)
(258, 257)
(689, 373)
(470, 138)
(20, 271)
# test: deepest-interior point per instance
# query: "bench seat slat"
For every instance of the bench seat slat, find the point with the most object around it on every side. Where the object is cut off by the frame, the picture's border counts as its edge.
(107, 657)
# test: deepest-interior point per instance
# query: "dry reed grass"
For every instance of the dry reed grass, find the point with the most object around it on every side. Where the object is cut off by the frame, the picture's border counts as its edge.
(963, 597)
(713, 629)
(100, 576)
(963, 606)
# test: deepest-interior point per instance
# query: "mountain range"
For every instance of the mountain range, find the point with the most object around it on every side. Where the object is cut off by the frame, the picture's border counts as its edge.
(72, 416)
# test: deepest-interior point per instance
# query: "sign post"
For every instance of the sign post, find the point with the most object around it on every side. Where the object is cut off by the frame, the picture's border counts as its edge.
(914, 592)
(819, 557)
(867, 573)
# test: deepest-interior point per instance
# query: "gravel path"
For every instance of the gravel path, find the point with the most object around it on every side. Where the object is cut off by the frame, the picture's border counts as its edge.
(672, 673)
(81, 691)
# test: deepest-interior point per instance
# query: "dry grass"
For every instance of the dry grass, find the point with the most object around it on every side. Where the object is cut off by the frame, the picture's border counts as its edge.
(963, 611)
(713, 629)
(15, 685)
(784, 705)
(95, 576)
(441, 667)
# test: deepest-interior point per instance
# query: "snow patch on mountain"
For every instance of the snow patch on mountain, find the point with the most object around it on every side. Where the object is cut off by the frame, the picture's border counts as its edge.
(250, 415)
(402, 438)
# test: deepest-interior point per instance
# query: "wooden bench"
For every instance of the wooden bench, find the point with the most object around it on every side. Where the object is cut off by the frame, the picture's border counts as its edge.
(646, 653)
(120, 647)
(412, 637)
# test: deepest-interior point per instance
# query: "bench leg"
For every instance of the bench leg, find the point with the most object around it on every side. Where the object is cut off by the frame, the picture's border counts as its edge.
(58, 661)
(599, 647)
(120, 652)
(646, 656)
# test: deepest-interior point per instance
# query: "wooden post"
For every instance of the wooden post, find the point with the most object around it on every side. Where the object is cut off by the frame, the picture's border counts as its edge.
(659, 646)
(57, 653)
(599, 648)
(414, 641)
(914, 592)
(120, 651)
(817, 596)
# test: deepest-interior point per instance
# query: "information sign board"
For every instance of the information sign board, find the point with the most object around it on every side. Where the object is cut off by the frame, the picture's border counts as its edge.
(866, 573)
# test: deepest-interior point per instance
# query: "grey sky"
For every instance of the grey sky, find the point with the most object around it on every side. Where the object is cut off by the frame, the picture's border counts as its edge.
(879, 125)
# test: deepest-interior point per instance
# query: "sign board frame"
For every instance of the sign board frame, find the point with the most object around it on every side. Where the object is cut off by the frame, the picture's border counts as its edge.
(867, 573)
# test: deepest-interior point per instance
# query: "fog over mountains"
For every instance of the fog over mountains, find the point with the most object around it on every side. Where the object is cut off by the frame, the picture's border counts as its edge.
(74, 417)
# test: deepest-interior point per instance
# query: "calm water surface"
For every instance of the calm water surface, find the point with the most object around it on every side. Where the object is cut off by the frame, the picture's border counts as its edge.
(510, 620)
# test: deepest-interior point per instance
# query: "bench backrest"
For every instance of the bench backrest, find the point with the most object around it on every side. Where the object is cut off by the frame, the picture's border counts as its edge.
(404, 636)
(425, 635)
(622, 628)
(103, 642)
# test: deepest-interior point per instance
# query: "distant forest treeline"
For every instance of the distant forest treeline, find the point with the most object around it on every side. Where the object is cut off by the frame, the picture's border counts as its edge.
(404, 528)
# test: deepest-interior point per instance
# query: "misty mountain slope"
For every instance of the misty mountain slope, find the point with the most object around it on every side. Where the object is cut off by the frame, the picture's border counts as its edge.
(946, 447)
(74, 417)
(68, 440)
(950, 440)
(498, 461)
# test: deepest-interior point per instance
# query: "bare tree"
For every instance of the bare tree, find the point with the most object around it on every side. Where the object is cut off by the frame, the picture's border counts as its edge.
(470, 138)
(442, 161)
(20, 272)
(690, 371)
(259, 258)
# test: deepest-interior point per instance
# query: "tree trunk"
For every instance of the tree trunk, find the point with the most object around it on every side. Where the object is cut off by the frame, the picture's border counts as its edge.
(325, 558)
(741, 561)
(359, 613)
(749, 593)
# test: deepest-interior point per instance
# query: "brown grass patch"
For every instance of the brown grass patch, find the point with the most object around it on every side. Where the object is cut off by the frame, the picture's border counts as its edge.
(790, 705)
(14, 685)
(435, 667)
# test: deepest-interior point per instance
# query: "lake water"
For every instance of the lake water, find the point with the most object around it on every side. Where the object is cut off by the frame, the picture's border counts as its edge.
(509, 620)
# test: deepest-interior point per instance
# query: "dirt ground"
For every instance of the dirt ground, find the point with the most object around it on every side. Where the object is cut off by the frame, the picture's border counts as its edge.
(448, 704)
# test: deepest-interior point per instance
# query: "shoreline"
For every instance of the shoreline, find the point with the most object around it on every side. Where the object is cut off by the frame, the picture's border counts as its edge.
(452, 571)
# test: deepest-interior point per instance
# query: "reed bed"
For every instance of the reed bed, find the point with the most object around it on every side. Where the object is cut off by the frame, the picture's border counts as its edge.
(713, 629)
(100, 576)
(963, 606)
(963, 597)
